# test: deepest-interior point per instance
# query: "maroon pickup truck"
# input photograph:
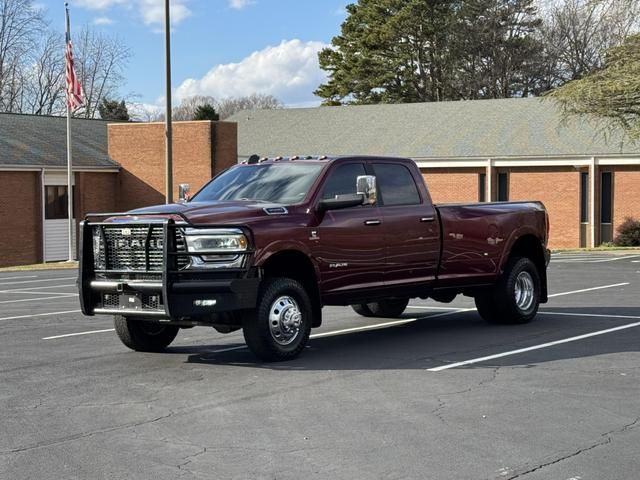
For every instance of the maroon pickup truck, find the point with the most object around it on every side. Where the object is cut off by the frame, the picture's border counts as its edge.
(266, 244)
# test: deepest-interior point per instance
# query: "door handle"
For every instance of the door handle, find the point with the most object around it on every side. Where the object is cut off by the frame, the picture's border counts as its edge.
(372, 222)
(427, 219)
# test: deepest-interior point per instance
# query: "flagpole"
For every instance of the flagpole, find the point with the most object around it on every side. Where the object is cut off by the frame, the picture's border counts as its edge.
(167, 118)
(69, 158)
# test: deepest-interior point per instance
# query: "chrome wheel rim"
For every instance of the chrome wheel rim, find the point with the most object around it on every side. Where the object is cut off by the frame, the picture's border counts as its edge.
(524, 291)
(285, 320)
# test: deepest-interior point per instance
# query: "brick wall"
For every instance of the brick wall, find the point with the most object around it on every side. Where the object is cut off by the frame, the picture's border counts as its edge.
(626, 194)
(21, 232)
(96, 193)
(225, 147)
(200, 150)
(458, 185)
(559, 190)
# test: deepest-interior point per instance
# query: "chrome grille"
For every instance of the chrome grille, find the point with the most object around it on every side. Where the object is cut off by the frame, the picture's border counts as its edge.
(136, 248)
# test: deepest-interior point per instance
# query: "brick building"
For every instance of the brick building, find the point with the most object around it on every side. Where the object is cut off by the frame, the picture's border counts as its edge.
(510, 149)
(115, 167)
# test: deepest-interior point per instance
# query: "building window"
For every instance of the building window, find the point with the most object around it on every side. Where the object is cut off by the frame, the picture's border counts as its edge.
(56, 202)
(606, 200)
(503, 187)
(482, 187)
(584, 197)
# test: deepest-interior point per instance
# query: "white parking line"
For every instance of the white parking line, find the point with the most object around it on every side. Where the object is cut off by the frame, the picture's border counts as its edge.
(38, 281)
(39, 315)
(79, 333)
(39, 299)
(617, 258)
(24, 292)
(36, 288)
(589, 289)
(315, 335)
(18, 278)
(534, 347)
(596, 315)
(428, 307)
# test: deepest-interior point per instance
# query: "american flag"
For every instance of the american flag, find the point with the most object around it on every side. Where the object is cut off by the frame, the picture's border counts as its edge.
(74, 89)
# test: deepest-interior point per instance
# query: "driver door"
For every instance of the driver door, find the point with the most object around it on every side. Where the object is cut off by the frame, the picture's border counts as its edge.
(349, 247)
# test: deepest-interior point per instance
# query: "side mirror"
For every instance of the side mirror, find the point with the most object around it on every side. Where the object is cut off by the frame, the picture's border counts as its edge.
(366, 186)
(183, 192)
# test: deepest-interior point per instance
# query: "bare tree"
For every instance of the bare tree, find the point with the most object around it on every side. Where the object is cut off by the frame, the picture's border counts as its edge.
(44, 84)
(20, 26)
(577, 33)
(225, 107)
(256, 101)
(99, 61)
(188, 106)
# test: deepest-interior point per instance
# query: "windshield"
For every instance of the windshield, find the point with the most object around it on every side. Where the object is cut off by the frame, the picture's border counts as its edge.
(278, 183)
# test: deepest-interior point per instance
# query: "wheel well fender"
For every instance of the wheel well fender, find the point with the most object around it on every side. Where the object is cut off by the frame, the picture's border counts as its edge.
(298, 266)
(531, 247)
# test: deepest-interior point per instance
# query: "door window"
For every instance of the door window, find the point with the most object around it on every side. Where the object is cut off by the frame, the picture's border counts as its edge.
(396, 185)
(343, 180)
(56, 202)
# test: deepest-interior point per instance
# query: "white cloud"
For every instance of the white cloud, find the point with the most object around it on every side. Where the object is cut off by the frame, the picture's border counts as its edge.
(150, 11)
(240, 4)
(102, 21)
(289, 71)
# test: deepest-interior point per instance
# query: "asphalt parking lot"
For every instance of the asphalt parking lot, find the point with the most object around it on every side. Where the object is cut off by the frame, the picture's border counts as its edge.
(438, 394)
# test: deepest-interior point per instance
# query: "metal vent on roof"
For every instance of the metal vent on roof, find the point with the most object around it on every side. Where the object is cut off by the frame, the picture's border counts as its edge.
(276, 210)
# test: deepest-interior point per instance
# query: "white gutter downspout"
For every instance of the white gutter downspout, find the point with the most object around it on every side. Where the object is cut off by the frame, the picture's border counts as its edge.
(43, 203)
(489, 180)
(592, 201)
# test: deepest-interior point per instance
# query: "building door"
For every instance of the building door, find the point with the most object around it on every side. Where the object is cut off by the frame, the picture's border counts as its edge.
(56, 224)
(584, 209)
(606, 207)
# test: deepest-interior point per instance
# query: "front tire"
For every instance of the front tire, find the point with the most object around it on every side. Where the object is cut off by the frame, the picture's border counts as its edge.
(278, 329)
(515, 298)
(144, 336)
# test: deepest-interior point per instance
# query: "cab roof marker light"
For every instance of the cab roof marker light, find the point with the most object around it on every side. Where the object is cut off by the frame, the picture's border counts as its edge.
(295, 157)
(323, 157)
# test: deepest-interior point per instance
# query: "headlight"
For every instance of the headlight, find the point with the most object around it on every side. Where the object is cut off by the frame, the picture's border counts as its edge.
(216, 248)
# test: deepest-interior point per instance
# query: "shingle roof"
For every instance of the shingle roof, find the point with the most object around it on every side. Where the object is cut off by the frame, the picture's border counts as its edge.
(33, 140)
(482, 128)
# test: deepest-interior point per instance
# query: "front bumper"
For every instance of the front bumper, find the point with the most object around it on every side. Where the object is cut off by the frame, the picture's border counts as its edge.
(169, 293)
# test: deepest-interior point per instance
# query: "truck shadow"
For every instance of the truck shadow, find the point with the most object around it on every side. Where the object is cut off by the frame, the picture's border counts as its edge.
(428, 343)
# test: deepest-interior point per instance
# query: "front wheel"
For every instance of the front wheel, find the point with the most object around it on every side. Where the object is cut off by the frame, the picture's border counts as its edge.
(516, 296)
(144, 336)
(278, 329)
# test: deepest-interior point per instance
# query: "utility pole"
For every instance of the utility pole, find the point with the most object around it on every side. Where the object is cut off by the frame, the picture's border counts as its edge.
(167, 118)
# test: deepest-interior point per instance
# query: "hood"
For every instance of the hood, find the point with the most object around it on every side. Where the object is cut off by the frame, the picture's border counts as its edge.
(221, 212)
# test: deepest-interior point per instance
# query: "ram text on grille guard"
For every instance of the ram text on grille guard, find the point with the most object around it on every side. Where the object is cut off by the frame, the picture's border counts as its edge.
(143, 270)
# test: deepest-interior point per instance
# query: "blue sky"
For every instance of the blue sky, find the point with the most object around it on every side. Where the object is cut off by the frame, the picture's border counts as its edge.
(219, 47)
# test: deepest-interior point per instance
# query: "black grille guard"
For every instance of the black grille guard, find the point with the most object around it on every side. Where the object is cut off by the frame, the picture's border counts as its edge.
(170, 273)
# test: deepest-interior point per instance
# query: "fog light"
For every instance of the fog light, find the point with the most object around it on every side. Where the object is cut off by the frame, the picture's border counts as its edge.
(204, 303)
